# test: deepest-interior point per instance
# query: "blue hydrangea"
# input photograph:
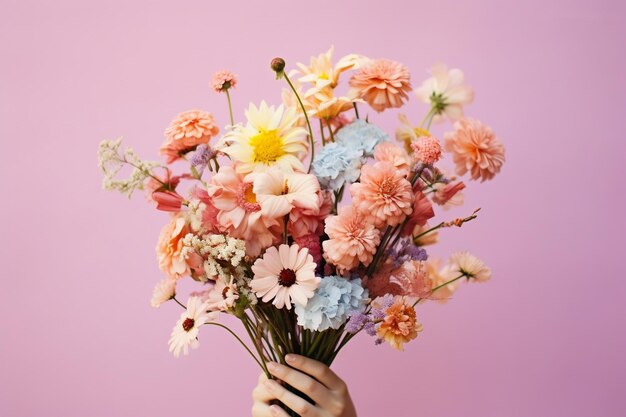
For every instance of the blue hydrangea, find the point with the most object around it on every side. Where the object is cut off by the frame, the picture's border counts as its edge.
(336, 165)
(333, 303)
(361, 136)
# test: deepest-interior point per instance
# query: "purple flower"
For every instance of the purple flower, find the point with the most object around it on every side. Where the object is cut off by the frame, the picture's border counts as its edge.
(202, 156)
(406, 251)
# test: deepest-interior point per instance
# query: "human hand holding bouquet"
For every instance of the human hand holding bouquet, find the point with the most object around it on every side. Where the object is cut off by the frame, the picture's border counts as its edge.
(257, 218)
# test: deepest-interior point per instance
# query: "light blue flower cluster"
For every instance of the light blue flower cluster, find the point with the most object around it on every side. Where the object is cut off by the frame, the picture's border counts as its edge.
(361, 136)
(333, 303)
(337, 164)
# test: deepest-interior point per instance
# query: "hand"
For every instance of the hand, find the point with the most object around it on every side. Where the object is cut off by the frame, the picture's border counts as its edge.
(316, 381)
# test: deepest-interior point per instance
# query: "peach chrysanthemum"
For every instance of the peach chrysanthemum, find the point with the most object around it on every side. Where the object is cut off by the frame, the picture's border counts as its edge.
(170, 245)
(188, 130)
(383, 194)
(400, 325)
(382, 84)
(475, 148)
(427, 149)
(352, 239)
(285, 274)
(223, 80)
(470, 266)
(395, 155)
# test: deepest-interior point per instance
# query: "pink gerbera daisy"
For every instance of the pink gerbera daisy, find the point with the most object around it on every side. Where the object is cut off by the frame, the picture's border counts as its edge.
(285, 274)
(383, 194)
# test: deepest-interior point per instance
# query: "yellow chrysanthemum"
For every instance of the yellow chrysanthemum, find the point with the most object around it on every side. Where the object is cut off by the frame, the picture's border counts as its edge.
(322, 73)
(270, 137)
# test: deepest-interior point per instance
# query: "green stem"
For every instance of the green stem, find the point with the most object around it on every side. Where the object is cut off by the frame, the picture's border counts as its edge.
(242, 344)
(440, 286)
(179, 303)
(356, 110)
(306, 116)
(430, 115)
(330, 129)
(254, 342)
(230, 108)
(322, 132)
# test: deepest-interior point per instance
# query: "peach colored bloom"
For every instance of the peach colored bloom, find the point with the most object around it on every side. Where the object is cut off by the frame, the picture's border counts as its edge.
(470, 266)
(427, 149)
(304, 221)
(188, 130)
(322, 74)
(278, 192)
(239, 213)
(382, 84)
(383, 194)
(422, 211)
(400, 325)
(285, 274)
(438, 276)
(352, 239)
(409, 279)
(170, 246)
(429, 238)
(395, 155)
(164, 291)
(446, 92)
(223, 80)
(448, 193)
(209, 215)
(475, 148)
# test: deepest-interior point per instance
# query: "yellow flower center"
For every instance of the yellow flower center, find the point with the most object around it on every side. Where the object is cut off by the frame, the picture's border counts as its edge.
(267, 146)
(324, 76)
(249, 196)
(419, 132)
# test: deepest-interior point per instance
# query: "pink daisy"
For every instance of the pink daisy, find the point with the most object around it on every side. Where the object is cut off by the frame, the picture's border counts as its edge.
(475, 148)
(285, 274)
(352, 239)
(383, 194)
(382, 84)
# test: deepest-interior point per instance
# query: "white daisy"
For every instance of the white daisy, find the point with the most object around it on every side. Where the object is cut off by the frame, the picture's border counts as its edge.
(164, 291)
(185, 333)
(470, 266)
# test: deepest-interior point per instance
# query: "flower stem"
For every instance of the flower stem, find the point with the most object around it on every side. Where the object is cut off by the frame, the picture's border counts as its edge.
(230, 108)
(356, 110)
(430, 114)
(242, 344)
(440, 286)
(179, 303)
(330, 129)
(306, 117)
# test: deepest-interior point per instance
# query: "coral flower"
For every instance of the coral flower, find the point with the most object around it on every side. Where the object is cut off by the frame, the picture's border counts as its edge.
(223, 80)
(395, 155)
(427, 149)
(352, 239)
(438, 277)
(422, 211)
(278, 192)
(448, 193)
(168, 200)
(446, 92)
(270, 137)
(239, 212)
(285, 274)
(399, 325)
(170, 245)
(475, 148)
(304, 221)
(383, 194)
(188, 130)
(382, 84)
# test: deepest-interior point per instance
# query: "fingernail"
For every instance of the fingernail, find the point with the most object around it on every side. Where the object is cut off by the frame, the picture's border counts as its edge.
(274, 410)
(272, 366)
(290, 358)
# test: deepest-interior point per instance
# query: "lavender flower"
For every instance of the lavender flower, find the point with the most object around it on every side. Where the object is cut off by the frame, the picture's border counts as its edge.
(202, 156)
(406, 251)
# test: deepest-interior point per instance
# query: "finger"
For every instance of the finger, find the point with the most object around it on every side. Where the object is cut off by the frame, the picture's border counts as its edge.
(295, 403)
(261, 410)
(317, 370)
(277, 411)
(260, 393)
(302, 382)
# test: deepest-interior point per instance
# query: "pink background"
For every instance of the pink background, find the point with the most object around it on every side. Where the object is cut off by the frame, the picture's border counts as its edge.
(544, 338)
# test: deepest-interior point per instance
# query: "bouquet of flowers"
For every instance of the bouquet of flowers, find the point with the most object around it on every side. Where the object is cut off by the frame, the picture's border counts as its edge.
(306, 221)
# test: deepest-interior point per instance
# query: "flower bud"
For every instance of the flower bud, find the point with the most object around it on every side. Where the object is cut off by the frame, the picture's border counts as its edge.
(278, 65)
